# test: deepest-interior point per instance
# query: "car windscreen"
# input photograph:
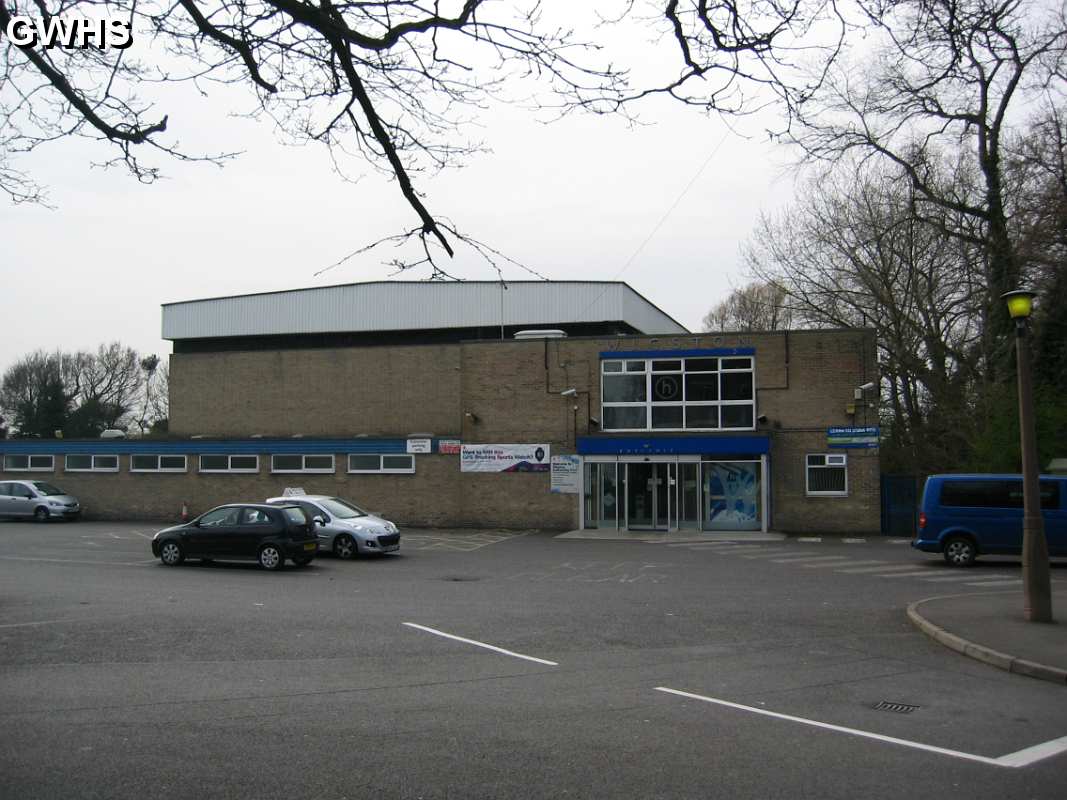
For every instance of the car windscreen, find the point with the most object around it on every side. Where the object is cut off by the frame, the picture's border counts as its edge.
(342, 509)
(47, 488)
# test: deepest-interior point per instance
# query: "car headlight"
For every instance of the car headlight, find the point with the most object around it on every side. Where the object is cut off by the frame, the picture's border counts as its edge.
(55, 503)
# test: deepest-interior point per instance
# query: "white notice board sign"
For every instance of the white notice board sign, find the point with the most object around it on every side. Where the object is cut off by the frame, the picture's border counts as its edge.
(565, 474)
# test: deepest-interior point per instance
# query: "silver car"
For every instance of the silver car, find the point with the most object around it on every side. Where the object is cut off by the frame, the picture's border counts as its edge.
(345, 529)
(37, 499)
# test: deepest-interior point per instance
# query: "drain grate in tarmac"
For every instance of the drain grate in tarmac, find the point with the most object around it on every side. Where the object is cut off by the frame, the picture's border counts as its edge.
(896, 708)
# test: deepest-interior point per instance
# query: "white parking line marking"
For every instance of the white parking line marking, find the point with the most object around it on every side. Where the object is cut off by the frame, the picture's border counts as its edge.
(479, 644)
(1020, 758)
(922, 572)
(809, 558)
(850, 563)
(853, 541)
(780, 553)
(864, 570)
(809, 538)
(79, 561)
(1011, 582)
(943, 578)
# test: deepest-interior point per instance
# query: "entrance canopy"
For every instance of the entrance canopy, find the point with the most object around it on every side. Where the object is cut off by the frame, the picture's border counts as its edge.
(673, 445)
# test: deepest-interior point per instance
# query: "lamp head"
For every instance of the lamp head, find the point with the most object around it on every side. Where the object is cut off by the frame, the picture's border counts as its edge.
(1020, 303)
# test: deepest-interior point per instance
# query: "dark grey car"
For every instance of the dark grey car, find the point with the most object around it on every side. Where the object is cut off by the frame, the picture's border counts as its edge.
(38, 499)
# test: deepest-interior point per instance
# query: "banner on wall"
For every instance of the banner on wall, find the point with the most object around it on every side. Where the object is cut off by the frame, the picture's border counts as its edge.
(853, 437)
(449, 446)
(504, 458)
(565, 474)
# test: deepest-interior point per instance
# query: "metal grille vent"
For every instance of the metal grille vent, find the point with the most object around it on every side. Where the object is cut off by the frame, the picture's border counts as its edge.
(896, 708)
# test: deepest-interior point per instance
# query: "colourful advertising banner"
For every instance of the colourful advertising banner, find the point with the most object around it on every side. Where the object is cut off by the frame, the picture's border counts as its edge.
(565, 474)
(852, 437)
(504, 458)
(449, 446)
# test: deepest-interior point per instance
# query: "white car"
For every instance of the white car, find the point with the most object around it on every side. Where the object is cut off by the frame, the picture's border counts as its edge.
(345, 529)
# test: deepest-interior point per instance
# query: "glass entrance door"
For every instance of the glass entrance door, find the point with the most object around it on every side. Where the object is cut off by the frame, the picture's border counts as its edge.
(648, 495)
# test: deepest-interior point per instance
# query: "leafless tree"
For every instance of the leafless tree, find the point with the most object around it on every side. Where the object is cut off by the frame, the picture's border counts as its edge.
(945, 76)
(757, 306)
(154, 400)
(852, 253)
(106, 385)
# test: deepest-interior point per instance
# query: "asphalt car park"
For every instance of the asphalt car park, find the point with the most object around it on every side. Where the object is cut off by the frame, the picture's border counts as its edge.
(525, 666)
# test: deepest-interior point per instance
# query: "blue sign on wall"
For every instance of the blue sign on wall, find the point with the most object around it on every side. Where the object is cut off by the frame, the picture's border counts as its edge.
(853, 437)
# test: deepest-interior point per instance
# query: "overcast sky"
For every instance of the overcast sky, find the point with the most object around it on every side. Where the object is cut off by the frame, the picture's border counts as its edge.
(572, 200)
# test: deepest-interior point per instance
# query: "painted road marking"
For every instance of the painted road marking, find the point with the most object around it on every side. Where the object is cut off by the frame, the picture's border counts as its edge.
(943, 578)
(850, 563)
(864, 570)
(809, 538)
(480, 644)
(1020, 758)
(80, 561)
(808, 558)
(923, 572)
(777, 552)
(1012, 582)
(853, 541)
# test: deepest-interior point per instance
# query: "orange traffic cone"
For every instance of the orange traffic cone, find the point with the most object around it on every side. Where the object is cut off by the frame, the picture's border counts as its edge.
(185, 512)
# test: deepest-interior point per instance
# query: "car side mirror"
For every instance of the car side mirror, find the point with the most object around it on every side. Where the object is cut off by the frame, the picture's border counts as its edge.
(320, 520)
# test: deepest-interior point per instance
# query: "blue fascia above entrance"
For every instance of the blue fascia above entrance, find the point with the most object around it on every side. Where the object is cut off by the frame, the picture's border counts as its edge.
(677, 445)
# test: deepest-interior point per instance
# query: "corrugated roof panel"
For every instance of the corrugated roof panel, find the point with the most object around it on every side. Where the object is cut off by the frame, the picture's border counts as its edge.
(407, 305)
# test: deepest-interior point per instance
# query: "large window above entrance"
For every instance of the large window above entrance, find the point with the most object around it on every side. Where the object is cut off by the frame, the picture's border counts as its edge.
(687, 393)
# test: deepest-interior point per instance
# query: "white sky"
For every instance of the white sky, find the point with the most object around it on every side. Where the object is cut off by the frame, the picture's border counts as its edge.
(572, 200)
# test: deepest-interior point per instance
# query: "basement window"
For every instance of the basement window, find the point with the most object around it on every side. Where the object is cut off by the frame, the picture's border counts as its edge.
(29, 463)
(158, 463)
(302, 463)
(90, 463)
(214, 463)
(381, 463)
(827, 475)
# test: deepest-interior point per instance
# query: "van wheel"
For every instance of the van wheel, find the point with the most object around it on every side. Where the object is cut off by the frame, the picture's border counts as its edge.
(41, 514)
(960, 551)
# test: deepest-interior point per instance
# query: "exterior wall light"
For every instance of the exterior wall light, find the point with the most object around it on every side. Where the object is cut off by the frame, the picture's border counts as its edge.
(1020, 303)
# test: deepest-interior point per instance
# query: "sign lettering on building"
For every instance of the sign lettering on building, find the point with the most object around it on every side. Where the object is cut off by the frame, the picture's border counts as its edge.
(565, 474)
(852, 437)
(504, 458)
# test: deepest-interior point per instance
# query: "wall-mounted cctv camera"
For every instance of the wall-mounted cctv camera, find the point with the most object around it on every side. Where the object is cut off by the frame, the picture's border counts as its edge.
(569, 392)
(868, 386)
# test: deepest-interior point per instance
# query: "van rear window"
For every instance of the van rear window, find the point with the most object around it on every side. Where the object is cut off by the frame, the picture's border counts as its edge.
(995, 494)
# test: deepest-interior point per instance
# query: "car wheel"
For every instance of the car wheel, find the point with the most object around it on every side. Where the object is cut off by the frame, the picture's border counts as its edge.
(41, 514)
(270, 557)
(960, 551)
(171, 554)
(344, 546)
(302, 562)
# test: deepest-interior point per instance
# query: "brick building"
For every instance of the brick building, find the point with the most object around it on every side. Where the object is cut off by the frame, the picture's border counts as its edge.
(548, 404)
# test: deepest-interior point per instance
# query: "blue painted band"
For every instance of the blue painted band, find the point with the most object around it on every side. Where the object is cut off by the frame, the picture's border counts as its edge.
(716, 351)
(681, 445)
(307, 446)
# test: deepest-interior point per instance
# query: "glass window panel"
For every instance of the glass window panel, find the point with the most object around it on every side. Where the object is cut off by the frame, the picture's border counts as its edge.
(105, 462)
(41, 462)
(287, 462)
(737, 386)
(737, 416)
(318, 462)
(666, 388)
(666, 416)
(244, 462)
(214, 462)
(612, 366)
(702, 416)
(79, 462)
(702, 387)
(144, 462)
(359, 463)
(398, 462)
(16, 462)
(172, 462)
(736, 363)
(667, 366)
(624, 389)
(816, 461)
(635, 366)
(701, 364)
(625, 418)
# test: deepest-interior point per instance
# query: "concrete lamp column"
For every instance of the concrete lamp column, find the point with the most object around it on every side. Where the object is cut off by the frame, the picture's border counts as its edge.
(1037, 587)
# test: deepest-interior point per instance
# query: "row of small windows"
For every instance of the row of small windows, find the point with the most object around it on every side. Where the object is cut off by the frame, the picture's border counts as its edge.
(321, 464)
(678, 394)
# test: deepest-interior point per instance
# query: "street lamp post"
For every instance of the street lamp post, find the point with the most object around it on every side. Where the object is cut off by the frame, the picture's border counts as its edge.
(1037, 587)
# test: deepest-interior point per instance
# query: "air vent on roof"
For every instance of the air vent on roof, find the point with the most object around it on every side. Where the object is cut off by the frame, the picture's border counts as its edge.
(551, 333)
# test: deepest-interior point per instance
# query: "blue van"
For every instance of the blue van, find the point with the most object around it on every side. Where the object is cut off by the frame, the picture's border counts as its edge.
(965, 516)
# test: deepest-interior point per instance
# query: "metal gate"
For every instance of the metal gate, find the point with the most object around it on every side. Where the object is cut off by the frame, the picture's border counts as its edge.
(900, 505)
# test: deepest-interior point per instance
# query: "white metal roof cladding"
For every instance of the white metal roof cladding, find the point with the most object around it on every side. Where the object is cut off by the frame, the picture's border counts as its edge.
(410, 305)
